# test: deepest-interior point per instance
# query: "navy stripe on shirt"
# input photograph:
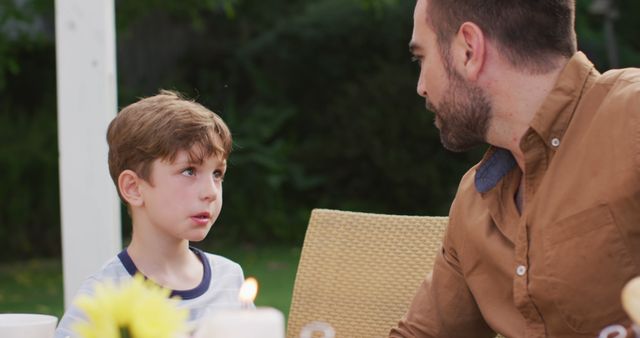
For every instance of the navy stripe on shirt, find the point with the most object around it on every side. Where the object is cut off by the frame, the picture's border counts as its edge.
(198, 291)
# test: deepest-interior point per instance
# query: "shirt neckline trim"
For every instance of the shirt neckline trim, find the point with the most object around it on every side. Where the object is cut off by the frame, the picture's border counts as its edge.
(198, 291)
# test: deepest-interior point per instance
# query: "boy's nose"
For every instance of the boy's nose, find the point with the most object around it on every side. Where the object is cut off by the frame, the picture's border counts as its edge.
(209, 190)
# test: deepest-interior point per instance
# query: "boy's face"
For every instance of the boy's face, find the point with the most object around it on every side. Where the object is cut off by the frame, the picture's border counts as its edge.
(183, 199)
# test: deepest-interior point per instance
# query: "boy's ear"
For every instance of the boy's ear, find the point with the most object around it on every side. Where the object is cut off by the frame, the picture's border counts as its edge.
(129, 186)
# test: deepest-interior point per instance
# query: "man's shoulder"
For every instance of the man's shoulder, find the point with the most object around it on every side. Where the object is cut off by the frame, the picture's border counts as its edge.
(614, 100)
(467, 185)
(620, 82)
(467, 182)
(623, 75)
(467, 194)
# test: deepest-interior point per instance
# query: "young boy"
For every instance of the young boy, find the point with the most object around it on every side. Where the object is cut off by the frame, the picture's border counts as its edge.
(167, 158)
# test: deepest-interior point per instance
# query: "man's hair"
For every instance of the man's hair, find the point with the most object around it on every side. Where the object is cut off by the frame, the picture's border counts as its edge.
(159, 126)
(529, 33)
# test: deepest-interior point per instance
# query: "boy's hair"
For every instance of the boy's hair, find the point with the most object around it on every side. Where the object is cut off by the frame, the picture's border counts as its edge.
(159, 126)
(529, 33)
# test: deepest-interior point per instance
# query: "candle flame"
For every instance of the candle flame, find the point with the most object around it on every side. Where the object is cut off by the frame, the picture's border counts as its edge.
(248, 290)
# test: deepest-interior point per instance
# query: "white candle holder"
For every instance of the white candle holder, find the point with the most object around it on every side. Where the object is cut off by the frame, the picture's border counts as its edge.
(326, 330)
(619, 331)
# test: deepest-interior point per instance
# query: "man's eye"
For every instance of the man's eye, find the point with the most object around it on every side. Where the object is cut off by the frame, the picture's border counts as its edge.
(218, 175)
(416, 59)
(188, 172)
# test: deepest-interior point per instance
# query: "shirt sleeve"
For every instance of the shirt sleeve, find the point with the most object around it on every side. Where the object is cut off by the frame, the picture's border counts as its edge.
(443, 305)
(73, 314)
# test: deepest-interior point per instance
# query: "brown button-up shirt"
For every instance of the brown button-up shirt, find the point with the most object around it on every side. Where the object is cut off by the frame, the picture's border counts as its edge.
(557, 269)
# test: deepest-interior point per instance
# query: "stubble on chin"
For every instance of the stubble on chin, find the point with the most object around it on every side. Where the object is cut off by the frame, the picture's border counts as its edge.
(463, 114)
(463, 118)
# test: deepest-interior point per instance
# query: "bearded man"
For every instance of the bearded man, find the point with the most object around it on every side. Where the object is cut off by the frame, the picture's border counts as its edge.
(544, 232)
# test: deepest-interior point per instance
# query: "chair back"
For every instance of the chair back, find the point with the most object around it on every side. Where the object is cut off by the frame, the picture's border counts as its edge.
(359, 271)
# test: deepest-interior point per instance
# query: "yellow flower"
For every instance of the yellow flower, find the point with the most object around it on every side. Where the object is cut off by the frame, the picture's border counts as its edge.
(137, 306)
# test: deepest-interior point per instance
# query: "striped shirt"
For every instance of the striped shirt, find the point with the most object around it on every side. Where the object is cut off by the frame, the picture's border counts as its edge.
(218, 289)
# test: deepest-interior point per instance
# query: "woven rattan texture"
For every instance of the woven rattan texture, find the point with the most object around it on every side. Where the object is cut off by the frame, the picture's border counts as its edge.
(359, 271)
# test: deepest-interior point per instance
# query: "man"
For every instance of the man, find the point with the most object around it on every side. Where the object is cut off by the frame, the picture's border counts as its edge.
(544, 232)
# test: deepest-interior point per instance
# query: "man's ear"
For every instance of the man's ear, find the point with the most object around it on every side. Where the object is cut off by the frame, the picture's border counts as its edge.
(469, 50)
(129, 186)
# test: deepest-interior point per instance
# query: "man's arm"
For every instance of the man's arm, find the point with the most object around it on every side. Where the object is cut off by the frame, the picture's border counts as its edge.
(443, 305)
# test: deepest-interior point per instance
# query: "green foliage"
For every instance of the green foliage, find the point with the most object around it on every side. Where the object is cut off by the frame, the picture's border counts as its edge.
(322, 105)
(273, 266)
(28, 186)
(591, 37)
(22, 27)
(319, 94)
(31, 286)
(35, 286)
(29, 212)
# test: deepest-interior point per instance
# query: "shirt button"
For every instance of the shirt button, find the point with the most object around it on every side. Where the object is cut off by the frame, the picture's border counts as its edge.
(521, 270)
(555, 142)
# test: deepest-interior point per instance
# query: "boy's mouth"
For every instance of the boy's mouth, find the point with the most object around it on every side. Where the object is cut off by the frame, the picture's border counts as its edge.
(202, 217)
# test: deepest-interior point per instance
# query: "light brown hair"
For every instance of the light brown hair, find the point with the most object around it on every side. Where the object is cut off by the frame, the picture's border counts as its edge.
(529, 33)
(159, 126)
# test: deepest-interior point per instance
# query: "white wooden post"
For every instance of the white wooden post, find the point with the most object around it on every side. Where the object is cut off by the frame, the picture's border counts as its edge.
(86, 75)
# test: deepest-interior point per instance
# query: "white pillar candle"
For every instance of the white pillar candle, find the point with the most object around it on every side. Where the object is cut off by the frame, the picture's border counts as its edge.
(262, 322)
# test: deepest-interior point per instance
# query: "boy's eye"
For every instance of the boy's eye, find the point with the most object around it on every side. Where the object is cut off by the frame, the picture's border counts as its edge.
(218, 175)
(188, 172)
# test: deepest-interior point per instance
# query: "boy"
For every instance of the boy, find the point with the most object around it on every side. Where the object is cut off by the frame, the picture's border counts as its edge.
(167, 158)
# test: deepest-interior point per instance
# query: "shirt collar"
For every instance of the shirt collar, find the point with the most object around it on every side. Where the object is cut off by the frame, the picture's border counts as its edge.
(497, 163)
(198, 291)
(550, 121)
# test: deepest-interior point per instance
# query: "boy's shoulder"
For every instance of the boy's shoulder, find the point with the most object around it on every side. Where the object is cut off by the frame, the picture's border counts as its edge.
(224, 274)
(220, 262)
(113, 270)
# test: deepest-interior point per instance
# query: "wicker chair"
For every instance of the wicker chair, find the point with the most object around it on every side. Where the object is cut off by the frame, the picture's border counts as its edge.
(359, 271)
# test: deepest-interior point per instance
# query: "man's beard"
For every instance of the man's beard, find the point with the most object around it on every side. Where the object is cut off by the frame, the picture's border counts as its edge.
(463, 115)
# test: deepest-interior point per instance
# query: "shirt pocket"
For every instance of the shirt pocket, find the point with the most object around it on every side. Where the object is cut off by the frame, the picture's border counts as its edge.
(587, 263)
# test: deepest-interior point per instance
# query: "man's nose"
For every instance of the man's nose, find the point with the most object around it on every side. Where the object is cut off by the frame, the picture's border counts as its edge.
(421, 88)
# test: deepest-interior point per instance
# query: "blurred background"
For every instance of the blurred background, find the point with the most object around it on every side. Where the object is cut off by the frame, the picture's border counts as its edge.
(319, 95)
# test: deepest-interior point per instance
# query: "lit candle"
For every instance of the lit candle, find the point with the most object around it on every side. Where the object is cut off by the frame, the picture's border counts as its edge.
(261, 322)
(248, 292)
